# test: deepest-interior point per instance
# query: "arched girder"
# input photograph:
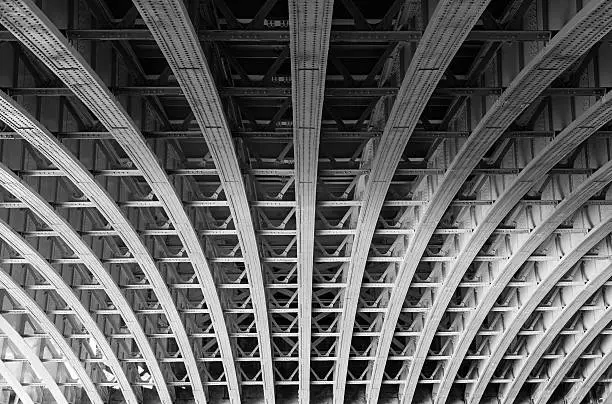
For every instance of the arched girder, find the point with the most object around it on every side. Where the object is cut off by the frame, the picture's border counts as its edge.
(36, 134)
(560, 367)
(37, 261)
(544, 341)
(590, 187)
(595, 368)
(35, 31)
(24, 299)
(575, 39)
(449, 26)
(310, 28)
(173, 31)
(568, 139)
(15, 384)
(512, 328)
(34, 361)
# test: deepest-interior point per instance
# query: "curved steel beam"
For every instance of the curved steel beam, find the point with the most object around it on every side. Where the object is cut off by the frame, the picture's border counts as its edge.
(575, 39)
(597, 368)
(35, 363)
(15, 384)
(25, 301)
(569, 138)
(591, 186)
(37, 261)
(310, 28)
(527, 308)
(36, 134)
(173, 31)
(449, 26)
(542, 342)
(37, 33)
(560, 368)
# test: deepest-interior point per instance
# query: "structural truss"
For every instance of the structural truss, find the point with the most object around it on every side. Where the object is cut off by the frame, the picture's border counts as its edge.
(310, 201)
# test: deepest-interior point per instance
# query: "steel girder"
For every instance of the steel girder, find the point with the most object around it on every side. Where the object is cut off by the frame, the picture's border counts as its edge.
(38, 33)
(283, 36)
(341, 183)
(16, 116)
(34, 361)
(310, 27)
(436, 49)
(574, 134)
(176, 36)
(561, 366)
(20, 295)
(584, 30)
(537, 345)
(547, 283)
(35, 259)
(594, 369)
(567, 207)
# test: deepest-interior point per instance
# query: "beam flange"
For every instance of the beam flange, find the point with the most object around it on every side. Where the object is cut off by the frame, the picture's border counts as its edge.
(310, 28)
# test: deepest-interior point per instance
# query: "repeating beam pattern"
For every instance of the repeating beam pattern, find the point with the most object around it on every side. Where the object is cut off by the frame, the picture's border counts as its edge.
(572, 136)
(597, 278)
(69, 165)
(548, 281)
(274, 200)
(593, 370)
(46, 271)
(451, 23)
(173, 31)
(21, 296)
(585, 29)
(39, 34)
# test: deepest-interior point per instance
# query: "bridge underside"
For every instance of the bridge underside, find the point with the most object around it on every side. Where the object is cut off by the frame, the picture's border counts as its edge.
(213, 201)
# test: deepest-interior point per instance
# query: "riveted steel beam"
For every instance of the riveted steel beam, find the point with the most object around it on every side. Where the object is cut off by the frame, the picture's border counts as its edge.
(565, 209)
(573, 135)
(310, 27)
(282, 92)
(37, 261)
(538, 345)
(173, 31)
(426, 69)
(24, 299)
(18, 118)
(575, 39)
(283, 36)
(37, 33)
(516, 320)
